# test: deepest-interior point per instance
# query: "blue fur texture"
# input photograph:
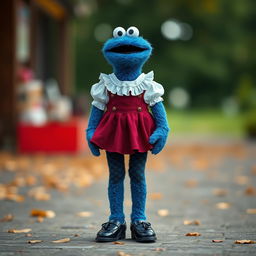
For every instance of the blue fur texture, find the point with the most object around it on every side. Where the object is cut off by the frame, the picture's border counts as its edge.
(127, 67)
(159, 136)
(94, 119)
(136, 171)
(116, 185)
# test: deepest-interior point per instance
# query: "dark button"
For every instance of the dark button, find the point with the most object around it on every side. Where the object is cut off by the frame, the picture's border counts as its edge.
(114, 108)
(139, 109)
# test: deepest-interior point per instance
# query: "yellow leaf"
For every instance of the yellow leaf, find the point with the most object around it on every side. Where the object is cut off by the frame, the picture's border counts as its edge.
(118, 242)
(42, 213)
(191, 222)
(84, 214)
(8, 217)
(251, 211)
(63, 240)
(25, 230)
(163, 212)
(193, 234)
(155, 196)
(245, 242)
(223, 205)
(34, 241)
(217, 241)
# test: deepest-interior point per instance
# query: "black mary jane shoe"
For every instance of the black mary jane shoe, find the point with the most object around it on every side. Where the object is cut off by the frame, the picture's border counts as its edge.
(143, 232)
(111, 231)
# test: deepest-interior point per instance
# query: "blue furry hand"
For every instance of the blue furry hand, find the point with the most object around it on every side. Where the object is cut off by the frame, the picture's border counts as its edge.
(158, 139)
(159, 136)
(94, 149)
(94, 120)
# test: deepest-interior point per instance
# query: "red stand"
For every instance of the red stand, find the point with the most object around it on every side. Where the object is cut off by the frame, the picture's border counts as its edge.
(53, 137)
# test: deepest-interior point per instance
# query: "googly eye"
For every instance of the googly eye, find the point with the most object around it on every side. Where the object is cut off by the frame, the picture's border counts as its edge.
(132, 31)
(118, 32)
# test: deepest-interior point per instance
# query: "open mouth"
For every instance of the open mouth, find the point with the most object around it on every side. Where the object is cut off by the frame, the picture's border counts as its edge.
(126, 49)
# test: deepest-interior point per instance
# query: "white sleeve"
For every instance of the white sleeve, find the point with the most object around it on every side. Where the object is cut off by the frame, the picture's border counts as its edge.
(99, 95)
(153, 93)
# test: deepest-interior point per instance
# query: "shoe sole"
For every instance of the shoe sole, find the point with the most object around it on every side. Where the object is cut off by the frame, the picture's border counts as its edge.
(111, 239)
(147, 239)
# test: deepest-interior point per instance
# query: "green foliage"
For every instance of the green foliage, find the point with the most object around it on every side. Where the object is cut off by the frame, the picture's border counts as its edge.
(208, 66)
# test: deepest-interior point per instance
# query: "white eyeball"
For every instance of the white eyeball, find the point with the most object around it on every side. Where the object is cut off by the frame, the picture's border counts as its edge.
(118, 32)
(132, 31)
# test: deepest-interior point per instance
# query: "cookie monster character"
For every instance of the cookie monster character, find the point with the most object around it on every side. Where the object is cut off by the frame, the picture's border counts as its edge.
(120, 123)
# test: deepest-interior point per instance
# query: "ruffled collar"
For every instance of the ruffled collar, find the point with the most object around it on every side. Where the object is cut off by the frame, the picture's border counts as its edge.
(135, 87)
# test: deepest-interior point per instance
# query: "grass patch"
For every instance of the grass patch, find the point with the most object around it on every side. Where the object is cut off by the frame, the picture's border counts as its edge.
(205, 122)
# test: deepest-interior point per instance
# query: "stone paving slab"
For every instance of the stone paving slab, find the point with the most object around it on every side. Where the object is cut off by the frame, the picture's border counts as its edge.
(185, 199)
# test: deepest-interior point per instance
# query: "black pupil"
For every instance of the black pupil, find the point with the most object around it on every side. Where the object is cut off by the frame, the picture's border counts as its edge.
(120, 33)
(131, 31)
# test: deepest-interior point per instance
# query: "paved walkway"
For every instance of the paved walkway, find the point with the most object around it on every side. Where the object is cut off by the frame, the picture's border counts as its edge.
(212, 185)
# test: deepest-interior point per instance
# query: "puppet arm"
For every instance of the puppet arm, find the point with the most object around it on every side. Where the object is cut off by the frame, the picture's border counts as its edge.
(94, 119)
(159, 136)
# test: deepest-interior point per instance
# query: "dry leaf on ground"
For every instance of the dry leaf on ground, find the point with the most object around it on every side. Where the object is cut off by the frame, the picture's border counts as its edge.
(39, 194)
(15, 197)
(25, 230)
(241, 180)
(118, 242)
(192, 183)
(163, 212)
(84, 214)
(251, 211)
(193, 234)
(40, 219)
(191, 222)
(63, 240)
(159, 249)
(217, 241)
(250, 191)
(120, 253)
(245, 242)
(42, 213)
(155, 196)
(34, 241)
(223, 205)
(219, 192)
(8, 217)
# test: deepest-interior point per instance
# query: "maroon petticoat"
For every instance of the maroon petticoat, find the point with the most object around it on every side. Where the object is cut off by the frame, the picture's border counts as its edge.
(126, 125)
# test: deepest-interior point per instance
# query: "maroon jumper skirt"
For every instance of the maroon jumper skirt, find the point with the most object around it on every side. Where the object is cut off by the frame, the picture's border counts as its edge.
(126, 125)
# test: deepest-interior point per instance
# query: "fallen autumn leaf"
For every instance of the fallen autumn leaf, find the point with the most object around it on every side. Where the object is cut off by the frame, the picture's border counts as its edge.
(34, 241)
(251, 211)
(63, 240)
(245, 242)
(223, 205)
(193, 234)
(25, 230)
(42, 213)
(191, 222)
(217, 241)
(84, 214)
(163, 212)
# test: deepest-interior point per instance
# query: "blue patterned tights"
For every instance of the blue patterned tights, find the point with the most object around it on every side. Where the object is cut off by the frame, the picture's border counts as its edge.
(136, 171)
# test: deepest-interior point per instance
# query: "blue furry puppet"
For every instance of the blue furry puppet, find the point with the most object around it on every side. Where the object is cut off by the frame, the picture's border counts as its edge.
(120, 123)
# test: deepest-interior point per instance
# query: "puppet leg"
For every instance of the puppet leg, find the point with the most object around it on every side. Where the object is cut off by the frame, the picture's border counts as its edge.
(138, 185)
(116, 185)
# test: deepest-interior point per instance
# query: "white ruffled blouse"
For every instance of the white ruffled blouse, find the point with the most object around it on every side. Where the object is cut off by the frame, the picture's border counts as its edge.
(152, 95)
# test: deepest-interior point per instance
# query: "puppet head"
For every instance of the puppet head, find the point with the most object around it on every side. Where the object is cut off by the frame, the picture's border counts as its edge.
(126, 50)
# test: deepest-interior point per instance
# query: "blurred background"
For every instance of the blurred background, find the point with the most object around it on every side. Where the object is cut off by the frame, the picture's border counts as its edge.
(204, 56)
(51, 55)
